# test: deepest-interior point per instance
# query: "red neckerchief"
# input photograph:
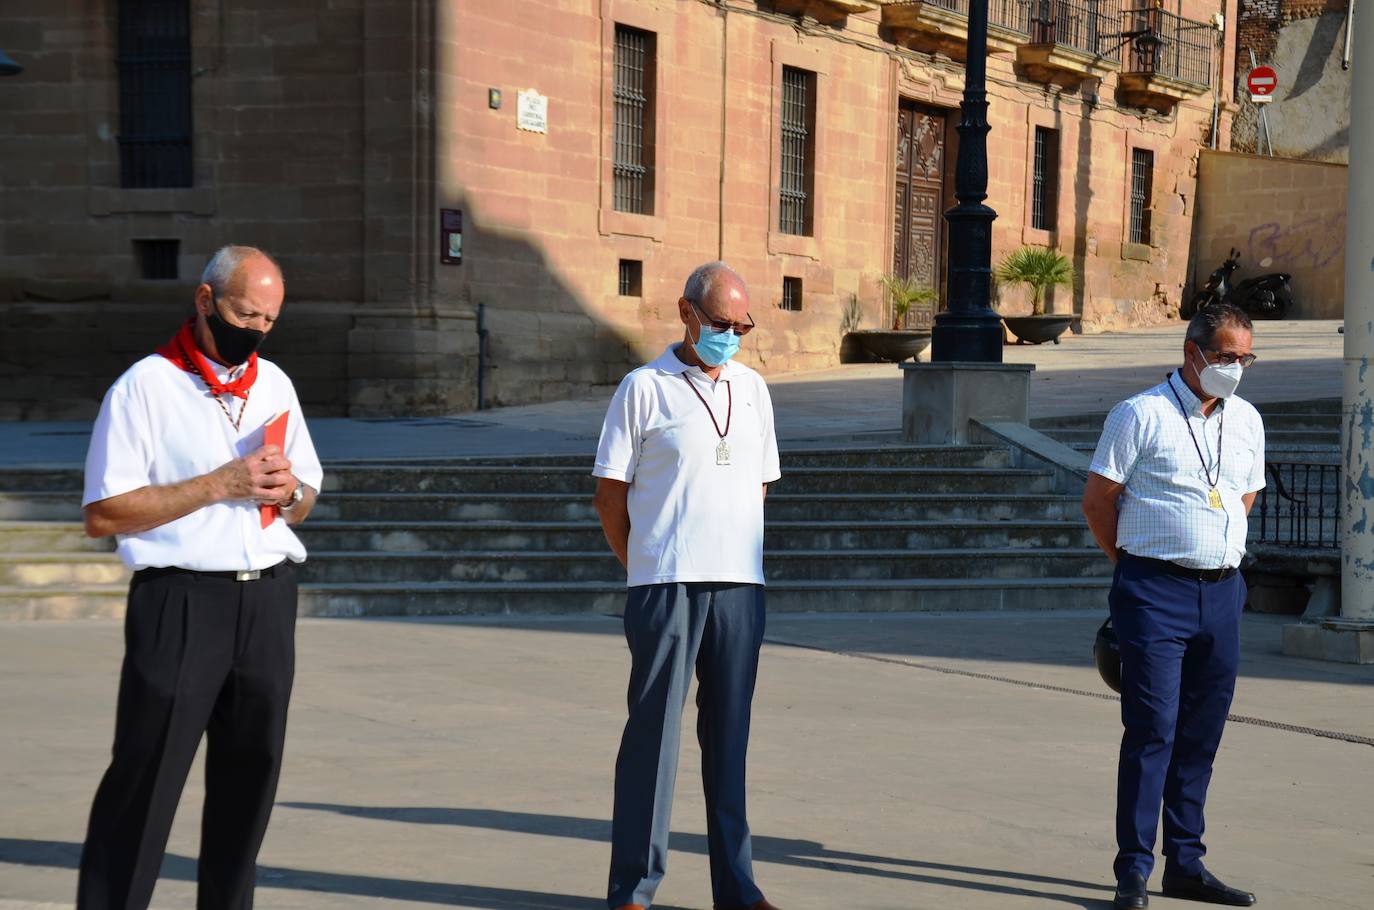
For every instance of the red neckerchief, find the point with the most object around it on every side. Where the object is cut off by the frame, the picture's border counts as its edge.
(183, 351)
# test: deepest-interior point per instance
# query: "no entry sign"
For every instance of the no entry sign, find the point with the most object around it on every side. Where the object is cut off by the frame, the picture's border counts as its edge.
(1262, 81)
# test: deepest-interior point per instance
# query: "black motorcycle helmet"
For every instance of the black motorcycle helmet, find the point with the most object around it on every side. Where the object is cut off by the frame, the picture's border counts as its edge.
(1107, 656)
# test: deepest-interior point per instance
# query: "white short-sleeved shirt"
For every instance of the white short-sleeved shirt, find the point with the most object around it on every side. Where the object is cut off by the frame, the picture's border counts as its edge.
(691, 519)
(1163, 512)
(160, 425)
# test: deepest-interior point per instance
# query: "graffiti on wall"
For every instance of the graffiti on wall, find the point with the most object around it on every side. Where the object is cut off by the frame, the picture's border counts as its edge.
(1312, 243)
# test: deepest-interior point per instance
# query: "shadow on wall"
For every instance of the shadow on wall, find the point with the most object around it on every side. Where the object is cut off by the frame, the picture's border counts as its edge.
(545, 342)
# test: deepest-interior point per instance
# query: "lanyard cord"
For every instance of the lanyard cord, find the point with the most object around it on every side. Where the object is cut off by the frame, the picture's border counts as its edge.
(730, 412)
(1206, 471)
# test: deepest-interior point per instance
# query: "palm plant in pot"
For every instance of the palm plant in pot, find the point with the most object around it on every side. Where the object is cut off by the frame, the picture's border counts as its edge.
(899, 343)
(1039, 269)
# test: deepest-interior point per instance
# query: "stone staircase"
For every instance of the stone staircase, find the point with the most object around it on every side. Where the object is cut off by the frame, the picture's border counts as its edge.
(847, 529)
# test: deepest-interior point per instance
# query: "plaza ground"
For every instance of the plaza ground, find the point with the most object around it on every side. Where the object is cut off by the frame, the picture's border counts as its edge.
(898, 761)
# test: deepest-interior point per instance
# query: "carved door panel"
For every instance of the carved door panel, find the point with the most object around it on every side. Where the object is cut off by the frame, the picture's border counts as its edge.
(918, 215)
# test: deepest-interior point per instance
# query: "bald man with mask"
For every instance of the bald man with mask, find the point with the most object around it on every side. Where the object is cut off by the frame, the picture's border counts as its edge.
(686, 453)
(202, 512)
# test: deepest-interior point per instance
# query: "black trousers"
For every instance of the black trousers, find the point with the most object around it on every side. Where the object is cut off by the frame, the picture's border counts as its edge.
(203, 656)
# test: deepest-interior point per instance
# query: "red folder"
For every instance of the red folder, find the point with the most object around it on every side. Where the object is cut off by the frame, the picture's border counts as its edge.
(273, 434)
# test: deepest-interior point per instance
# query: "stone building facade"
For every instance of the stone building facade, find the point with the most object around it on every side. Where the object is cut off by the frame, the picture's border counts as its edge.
(427, 168)
(1306, 42)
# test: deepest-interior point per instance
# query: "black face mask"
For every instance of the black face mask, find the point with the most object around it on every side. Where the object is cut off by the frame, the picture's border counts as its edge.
(234, 343)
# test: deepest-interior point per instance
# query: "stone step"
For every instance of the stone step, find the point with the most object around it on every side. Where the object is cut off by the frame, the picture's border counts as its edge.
(322, 536)
(49, 537)
(405, 536)
(350, 567)
(69, 478)
(599, 565)
(489, 479)
(66, 507)
(778, 507)
(1285, 438)
(44, 506)
(454, 598)
(43, 570)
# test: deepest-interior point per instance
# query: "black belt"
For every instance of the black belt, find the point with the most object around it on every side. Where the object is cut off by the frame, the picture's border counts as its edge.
(250, 575)
(1174, 568)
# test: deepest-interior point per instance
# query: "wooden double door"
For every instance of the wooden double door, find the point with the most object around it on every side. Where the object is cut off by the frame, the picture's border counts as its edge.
(918, 217)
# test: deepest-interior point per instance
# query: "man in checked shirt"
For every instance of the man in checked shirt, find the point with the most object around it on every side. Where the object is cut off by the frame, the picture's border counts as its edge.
(1170, 491)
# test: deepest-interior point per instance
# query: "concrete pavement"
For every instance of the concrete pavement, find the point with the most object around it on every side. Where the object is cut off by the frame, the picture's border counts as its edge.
(899, 762)
(1086, 374)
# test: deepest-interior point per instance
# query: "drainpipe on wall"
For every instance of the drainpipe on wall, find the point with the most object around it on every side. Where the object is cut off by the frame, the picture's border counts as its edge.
(1357, 409)
(724, 96)
(1349, 34)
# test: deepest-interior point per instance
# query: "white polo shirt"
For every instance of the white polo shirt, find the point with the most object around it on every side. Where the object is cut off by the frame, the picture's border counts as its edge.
(691, 519)
(160, 425)
(1163, 512)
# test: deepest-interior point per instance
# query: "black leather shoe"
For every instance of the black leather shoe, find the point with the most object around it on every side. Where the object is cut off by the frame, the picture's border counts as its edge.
(1131, 893)
(1207, 888)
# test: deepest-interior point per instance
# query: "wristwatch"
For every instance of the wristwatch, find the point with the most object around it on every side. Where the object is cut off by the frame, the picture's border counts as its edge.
(297, 495)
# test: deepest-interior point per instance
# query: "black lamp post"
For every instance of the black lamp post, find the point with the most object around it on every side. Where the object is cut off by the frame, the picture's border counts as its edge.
(8, 67)
(970, 330)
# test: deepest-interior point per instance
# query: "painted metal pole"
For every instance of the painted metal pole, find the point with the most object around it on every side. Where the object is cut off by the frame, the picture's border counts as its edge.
(1357, 410)
(969, 331)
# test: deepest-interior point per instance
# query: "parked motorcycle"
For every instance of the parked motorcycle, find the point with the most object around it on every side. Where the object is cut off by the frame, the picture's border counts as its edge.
(1263, 296)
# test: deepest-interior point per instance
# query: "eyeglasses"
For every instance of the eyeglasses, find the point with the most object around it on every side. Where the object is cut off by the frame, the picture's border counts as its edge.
(1226, 359)
(739, 328)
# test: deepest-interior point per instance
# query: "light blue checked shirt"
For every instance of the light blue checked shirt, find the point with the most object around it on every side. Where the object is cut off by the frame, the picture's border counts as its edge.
(1163, 513)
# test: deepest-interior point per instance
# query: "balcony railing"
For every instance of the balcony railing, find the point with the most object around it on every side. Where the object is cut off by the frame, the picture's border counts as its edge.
(1009, 14)
(1168, 45)
(1090, 26)
(1299, 506)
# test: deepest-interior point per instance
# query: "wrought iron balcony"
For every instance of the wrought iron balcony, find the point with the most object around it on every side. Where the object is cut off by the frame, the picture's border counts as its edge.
(941, 26)
(1165, 58)
(1071, 40)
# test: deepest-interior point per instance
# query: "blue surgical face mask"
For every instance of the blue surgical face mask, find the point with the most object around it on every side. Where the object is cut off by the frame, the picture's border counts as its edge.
(713, 347)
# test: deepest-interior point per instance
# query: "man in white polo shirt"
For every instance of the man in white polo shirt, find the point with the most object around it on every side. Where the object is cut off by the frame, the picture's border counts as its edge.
(178, 471)
(1168, 498)
(686, 454)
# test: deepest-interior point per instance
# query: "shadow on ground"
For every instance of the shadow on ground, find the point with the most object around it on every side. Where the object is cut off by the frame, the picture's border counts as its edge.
(779, 850)
(66, 855)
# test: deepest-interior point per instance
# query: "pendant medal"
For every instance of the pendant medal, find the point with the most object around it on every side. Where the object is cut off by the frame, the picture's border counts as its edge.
(723, 453)
(1214, 498)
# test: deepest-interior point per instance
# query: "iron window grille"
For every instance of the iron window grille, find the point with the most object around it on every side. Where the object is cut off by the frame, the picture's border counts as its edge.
(633, 161)
(791, 295)
(1142, 192)
(631, 278)
(154, 66)
(1045, 180)
(157, 259)
(796, 194)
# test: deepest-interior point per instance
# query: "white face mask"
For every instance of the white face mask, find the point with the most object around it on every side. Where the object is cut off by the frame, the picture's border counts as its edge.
(1220, 381)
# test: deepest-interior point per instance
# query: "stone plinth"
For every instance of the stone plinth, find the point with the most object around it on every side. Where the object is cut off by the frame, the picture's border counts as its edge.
(1341, 640)
(939, 399)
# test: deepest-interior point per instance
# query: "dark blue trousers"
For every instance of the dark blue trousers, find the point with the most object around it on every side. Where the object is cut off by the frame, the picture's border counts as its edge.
(671, 629)
(1180, 650)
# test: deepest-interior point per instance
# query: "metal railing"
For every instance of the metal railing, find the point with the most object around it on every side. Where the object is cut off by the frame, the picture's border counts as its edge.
(1300, 505)
(1168, 45)
(1091, 26)
(1010, 14)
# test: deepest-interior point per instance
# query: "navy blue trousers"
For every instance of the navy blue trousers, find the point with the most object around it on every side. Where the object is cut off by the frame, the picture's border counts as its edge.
(1180, 650)
(672, 629)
